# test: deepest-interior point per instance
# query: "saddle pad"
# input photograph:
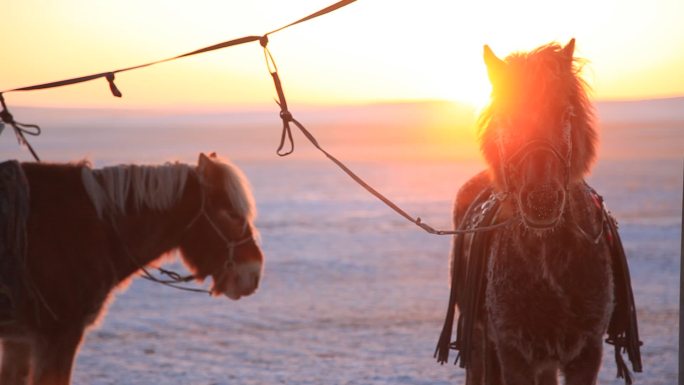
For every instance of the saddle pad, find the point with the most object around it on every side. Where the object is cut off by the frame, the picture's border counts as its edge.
(14, 208)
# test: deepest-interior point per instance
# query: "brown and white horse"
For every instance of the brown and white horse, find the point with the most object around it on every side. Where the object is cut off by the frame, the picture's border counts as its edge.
(91, 230)
(548, 296)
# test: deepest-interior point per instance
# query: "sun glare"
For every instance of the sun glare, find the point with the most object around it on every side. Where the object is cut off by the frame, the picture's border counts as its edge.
(473, 91)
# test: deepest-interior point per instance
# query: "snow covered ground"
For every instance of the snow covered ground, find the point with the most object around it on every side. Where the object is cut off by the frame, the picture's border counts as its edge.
(353, 294)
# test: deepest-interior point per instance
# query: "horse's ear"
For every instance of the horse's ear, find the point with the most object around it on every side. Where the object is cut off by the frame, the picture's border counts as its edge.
(205, 167)
(495, 66)
(569, 49)
(213, 155)
(203, 162)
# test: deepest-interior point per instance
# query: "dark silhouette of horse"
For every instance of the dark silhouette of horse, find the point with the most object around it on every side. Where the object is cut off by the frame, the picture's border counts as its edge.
(535, 295)
(89, 231)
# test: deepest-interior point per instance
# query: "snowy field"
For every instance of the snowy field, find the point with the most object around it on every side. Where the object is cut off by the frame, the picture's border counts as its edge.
(353, 294)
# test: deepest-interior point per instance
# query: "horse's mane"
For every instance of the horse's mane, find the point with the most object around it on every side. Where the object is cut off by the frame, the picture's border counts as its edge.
(154, 187)
(157, 187)
(536, 83)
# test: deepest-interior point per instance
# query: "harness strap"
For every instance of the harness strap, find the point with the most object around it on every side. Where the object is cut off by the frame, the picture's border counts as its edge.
(623, 330)
(467, 278)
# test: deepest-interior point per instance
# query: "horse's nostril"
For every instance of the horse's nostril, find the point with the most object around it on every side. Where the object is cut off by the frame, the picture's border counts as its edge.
(542, 196)
(250, 283)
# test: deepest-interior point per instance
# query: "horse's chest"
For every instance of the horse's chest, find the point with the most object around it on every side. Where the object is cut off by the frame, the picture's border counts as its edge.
(554, 291)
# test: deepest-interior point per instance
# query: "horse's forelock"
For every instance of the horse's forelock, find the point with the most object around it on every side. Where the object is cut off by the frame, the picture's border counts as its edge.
(238, 188)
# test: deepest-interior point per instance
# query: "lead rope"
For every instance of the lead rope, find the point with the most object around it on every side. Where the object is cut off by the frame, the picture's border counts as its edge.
(287, 118)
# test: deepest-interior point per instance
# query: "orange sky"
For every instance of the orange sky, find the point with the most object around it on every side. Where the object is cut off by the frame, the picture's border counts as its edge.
(370, 51)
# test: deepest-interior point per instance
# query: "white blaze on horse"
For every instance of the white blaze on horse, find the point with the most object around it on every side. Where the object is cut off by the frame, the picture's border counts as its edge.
(89, 231)
(537, 294)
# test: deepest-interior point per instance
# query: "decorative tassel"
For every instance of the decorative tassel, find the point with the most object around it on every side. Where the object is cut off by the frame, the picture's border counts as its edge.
(444, 342)
(622, 369)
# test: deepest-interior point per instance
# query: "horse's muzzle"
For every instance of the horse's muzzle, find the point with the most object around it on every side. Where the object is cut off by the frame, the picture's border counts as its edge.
(542, 206)
(241, 281)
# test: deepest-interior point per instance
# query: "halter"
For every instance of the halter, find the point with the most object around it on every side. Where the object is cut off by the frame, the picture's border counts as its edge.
(230, 244)
(512, 162)
(509, 163)
(176, 278)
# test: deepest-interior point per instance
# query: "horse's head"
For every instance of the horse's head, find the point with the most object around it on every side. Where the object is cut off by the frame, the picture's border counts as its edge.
(537, 134)
(222, 240)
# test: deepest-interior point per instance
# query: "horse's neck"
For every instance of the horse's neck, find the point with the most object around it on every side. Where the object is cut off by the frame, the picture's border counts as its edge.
(146, 235)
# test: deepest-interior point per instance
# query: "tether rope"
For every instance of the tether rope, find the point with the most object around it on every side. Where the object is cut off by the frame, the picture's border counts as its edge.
(109, 75)
(286, 116)
(20, 129)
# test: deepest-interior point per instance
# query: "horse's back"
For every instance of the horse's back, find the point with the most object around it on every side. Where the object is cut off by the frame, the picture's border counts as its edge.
(67, 244)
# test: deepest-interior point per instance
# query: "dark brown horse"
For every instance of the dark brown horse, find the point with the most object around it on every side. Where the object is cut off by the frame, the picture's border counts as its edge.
(538, 292)
(89, 231)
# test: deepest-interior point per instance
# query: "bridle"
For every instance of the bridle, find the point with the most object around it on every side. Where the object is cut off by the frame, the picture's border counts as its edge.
(510, 164)
(231, 244)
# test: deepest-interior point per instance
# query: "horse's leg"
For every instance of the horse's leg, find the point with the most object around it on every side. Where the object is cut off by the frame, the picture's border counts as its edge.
(53, 356)
(476, 370)
(515, 370)
(493, 373)
(583, 370)
(548, 376)
(15, 363)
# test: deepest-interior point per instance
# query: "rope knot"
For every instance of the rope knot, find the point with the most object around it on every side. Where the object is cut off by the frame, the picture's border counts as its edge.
(6, 117)
(263, 41)
(286, 115)
(112, 86)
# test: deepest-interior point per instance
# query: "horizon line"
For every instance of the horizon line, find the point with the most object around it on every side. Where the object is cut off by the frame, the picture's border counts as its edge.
(265, 107)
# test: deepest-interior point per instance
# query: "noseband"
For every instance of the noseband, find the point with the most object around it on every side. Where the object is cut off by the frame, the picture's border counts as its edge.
(512, 163)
